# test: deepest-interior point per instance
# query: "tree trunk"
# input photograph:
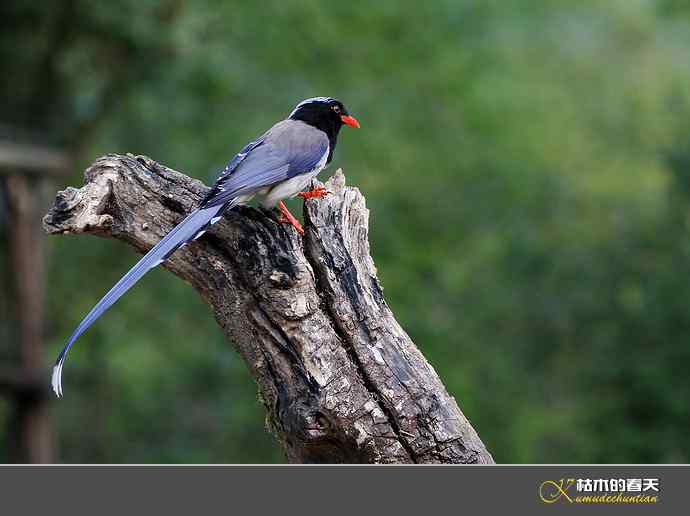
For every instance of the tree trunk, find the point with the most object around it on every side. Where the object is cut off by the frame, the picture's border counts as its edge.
(31, 435)
(340, 379)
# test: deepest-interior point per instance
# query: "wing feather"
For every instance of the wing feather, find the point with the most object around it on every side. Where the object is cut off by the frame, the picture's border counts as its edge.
(288, 149)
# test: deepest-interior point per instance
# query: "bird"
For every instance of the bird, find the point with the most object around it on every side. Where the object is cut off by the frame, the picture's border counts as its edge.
(277, 165)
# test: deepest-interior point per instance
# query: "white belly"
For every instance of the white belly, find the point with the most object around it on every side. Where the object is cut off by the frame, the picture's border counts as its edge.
(288, 188)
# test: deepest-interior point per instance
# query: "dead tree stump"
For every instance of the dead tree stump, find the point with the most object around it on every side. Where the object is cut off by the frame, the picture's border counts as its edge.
(340, 379)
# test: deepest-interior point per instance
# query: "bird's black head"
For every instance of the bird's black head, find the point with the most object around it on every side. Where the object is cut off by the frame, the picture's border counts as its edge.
(325, 113)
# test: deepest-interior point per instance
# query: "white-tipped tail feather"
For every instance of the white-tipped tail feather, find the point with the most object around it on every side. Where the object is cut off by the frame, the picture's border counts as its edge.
(56, 381)
(192, 226)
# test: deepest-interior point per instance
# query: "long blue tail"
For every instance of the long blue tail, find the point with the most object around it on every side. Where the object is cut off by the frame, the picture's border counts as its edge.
(191, 227)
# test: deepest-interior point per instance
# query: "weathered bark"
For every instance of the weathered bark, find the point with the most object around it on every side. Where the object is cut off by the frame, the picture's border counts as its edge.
(340, 379)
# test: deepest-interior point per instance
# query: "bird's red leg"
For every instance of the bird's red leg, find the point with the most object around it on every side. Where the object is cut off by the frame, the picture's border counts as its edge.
(315, 193)
(288, 218)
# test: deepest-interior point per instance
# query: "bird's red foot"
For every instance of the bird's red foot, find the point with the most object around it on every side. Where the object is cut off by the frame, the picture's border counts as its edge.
(316, 193)
(288, 218)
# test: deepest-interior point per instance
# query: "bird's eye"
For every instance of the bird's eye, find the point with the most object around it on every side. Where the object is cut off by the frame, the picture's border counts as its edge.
(336, 109)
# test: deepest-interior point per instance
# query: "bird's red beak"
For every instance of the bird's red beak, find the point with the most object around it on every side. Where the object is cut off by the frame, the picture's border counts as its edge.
(350, 120)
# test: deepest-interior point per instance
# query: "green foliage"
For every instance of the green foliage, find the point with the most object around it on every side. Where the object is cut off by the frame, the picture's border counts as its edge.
(527, 167)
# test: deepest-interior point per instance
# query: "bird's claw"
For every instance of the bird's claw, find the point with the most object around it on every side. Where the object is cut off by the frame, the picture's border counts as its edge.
(284, 220)
(286, 217)
(316, 193)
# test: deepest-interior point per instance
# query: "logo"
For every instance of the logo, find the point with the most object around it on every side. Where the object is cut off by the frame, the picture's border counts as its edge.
(600, 490)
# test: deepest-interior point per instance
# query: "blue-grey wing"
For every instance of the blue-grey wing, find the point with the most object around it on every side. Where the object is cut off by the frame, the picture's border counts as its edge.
(230, 167)
(239, 157)
(308, 156)
(289, 148)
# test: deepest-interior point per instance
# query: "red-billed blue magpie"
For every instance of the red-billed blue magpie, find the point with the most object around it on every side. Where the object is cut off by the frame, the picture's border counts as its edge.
(277, 165)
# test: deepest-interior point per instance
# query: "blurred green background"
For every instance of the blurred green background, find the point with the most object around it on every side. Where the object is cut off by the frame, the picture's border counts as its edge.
(527, 168)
